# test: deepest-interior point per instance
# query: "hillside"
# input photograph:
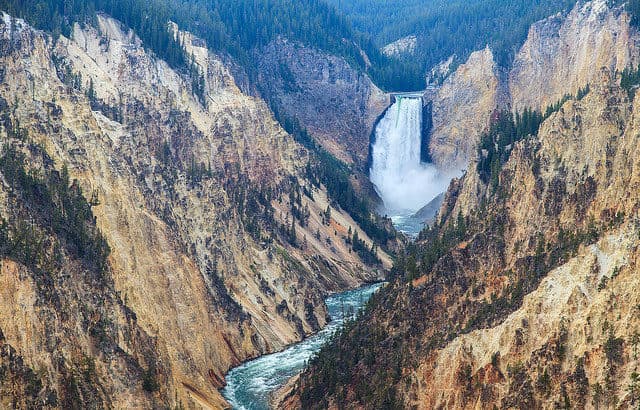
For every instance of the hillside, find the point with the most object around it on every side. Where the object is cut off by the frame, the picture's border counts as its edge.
(561, 56)
(229, 27)
(524, 294)
(447, 28)
(153, 236)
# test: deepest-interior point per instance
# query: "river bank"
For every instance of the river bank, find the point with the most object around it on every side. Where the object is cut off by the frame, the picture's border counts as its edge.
(250, 385)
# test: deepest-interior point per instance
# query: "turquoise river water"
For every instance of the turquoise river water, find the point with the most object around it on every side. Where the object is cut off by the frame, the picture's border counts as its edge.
(250, 384)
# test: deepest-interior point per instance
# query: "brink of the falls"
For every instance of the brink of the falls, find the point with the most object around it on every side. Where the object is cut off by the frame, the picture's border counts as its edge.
(402, 180)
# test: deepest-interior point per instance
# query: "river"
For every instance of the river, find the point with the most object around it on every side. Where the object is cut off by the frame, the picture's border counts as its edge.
(250, 384)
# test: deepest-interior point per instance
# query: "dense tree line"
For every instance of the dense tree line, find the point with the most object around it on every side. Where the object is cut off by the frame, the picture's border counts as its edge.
(238, 27)
(633, 7)
(368, 254)
(232, 27)
(444, 28)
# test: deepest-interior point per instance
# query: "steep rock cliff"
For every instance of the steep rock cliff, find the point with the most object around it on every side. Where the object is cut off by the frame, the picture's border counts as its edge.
(565, 53)
(337, 104)
(562, 54)
(196, 198)
(403, 47)
(461, 109)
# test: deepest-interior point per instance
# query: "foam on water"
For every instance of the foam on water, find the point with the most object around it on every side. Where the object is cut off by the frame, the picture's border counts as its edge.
(407, 224)
(402, 180)
(250, 384)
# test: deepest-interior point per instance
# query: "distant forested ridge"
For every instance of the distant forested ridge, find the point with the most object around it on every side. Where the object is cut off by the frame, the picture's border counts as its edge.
(352, 29)
(233, 27)
(450, 27)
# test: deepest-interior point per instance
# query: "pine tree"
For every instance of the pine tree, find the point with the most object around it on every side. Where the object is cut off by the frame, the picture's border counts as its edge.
(91, 92)
(293, 240)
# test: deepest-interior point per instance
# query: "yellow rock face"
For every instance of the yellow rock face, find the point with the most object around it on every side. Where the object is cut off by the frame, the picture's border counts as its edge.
(205, 291)
(567, 329)
(462, 108)
(561, 55)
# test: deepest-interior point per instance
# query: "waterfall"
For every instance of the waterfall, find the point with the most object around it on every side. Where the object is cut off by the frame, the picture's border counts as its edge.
(404, 183)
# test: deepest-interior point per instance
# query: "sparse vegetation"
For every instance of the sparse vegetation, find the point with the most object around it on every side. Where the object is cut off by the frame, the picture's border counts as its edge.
(630, 78)
(613, 349)
(149, 380)
(433, 243)
(368, 254)
(58, 206)
(505, 130)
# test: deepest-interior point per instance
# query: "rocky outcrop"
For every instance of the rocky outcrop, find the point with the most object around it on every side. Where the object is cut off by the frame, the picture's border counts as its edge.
(337, 104)
(462, 107)
(220, 248)
(572, 341)
(406, 46)
(440, 72)
(562, 54)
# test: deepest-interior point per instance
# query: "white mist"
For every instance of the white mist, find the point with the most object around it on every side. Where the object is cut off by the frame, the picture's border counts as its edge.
(402, 180)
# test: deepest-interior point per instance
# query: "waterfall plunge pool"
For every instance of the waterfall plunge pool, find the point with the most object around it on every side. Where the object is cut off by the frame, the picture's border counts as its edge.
(250, 384)
(407, 185)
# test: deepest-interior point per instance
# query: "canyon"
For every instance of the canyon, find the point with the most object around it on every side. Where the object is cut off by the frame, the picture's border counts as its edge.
(523, 294)
(160, 225)
(195, 199)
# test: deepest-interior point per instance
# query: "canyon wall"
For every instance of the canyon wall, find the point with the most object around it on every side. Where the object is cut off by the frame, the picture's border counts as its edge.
(462, 107)
(573, 337)
(336, 103)
(561, 55)
(220, 248)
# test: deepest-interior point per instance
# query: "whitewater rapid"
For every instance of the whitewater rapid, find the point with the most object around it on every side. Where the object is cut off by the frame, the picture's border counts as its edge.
(250, 384)
(402, 180)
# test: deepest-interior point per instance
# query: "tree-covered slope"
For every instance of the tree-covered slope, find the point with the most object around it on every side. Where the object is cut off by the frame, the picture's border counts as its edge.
(444, 28)
(229, 26)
